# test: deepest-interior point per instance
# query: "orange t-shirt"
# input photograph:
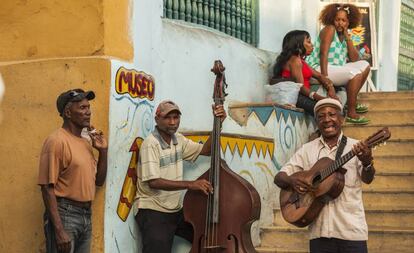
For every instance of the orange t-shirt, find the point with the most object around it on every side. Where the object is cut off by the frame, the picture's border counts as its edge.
(67, 162)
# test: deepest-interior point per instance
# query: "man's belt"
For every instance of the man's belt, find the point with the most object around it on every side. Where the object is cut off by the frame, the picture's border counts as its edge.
(82, 204)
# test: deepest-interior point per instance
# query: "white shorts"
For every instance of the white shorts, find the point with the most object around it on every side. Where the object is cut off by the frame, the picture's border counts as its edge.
(340, 75)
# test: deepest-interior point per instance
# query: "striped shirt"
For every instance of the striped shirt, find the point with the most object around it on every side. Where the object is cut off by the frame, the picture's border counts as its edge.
(158, 159)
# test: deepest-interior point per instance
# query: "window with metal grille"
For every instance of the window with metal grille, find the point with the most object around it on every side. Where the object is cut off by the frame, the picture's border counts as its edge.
(237, 18)
(406, 52)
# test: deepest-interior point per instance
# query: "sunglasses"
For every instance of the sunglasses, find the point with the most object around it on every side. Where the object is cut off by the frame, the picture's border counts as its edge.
(73, 94)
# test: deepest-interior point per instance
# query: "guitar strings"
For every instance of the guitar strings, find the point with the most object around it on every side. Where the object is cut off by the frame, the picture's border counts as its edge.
(211, 232)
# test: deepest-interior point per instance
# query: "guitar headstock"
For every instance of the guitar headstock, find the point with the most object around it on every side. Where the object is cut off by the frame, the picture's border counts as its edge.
(379, 137)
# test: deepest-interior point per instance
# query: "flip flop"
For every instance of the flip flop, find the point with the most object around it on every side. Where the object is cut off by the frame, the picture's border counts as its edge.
(358, 121)
(359, 108)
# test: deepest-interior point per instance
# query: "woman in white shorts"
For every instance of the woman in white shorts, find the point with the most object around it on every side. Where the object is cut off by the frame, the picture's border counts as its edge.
(336, 57)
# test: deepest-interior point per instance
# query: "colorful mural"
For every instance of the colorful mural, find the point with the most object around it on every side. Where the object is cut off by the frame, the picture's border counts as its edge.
(131, 110)
(263, 146)
(363, 35)
(129, 188)
(289, 127)
(257, 139)
(135, 83)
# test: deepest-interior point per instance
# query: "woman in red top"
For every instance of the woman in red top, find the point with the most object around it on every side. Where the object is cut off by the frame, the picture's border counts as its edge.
(291, 64)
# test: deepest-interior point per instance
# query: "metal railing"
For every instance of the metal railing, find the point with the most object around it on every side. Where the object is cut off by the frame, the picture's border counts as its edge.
(237, 18)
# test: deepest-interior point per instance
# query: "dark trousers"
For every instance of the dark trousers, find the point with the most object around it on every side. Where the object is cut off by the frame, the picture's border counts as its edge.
(306, 103)
(158, 230)
(334, 245)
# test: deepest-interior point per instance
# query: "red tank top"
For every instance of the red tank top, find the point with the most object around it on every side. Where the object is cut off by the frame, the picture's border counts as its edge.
(306, 72)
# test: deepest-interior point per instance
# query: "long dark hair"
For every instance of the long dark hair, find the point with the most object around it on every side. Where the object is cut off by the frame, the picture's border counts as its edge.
(292, 45)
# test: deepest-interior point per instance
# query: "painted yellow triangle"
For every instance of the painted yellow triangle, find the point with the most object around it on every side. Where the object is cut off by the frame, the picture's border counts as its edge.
(240, 147)
(249, 146)
(271, 149)
(198, 138)
(232, 142)
(264, 148)
(261, 146)
(223, 143)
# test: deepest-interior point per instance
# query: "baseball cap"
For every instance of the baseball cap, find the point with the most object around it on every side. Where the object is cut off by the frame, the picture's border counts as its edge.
(166, 107)
(327, 102)
(74, 95)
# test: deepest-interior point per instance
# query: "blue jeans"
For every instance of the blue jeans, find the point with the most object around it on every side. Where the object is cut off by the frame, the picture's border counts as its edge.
(77, 223)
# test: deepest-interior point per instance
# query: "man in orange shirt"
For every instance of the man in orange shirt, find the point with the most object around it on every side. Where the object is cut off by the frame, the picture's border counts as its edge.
(68, 174)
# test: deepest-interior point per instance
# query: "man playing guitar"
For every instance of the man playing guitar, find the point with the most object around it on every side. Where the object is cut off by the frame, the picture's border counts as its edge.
(341, 225)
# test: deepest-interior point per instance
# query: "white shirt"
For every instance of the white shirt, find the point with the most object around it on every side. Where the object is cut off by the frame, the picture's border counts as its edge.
(343, 217)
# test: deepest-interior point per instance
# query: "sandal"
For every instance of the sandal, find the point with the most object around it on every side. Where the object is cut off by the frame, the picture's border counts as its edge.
(359, 108)
(357, 121)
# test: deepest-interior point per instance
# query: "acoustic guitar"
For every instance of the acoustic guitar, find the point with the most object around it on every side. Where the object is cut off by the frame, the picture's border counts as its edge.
(327, 180)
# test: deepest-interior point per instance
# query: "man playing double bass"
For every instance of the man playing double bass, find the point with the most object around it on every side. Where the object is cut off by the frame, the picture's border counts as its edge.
(341, 225)
(160, 180)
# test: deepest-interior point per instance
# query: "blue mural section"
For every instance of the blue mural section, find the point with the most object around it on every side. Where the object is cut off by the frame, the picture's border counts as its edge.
(264, 113)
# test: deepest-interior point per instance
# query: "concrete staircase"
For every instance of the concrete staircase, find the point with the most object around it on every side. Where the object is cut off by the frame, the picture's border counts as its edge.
(389, 200)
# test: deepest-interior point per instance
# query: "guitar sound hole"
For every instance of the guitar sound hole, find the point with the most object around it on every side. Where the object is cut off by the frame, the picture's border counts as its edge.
(316, 180)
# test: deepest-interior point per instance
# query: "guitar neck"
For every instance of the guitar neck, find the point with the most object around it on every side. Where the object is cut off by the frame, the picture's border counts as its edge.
(336, 165)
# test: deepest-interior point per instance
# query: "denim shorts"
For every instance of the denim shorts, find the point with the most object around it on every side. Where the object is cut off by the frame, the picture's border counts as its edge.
(77, 223)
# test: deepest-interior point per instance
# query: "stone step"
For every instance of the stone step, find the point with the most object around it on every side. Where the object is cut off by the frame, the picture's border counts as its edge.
(388, 199)
(380, 239)
(285, 238)
(380, 104)
(405, 131)
(395, 147)
(279, 250)
(392, 180)
(403, 218)
(386, 240)
(386, 95)
(394, 163)
(389, 117)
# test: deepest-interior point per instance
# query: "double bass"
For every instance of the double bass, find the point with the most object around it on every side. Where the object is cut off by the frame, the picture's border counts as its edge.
(222, 220)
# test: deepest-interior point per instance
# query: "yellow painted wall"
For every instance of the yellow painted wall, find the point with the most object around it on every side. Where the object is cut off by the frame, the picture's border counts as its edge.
(29, 115)
(35, 29)
(117, 16)
(47, 47)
